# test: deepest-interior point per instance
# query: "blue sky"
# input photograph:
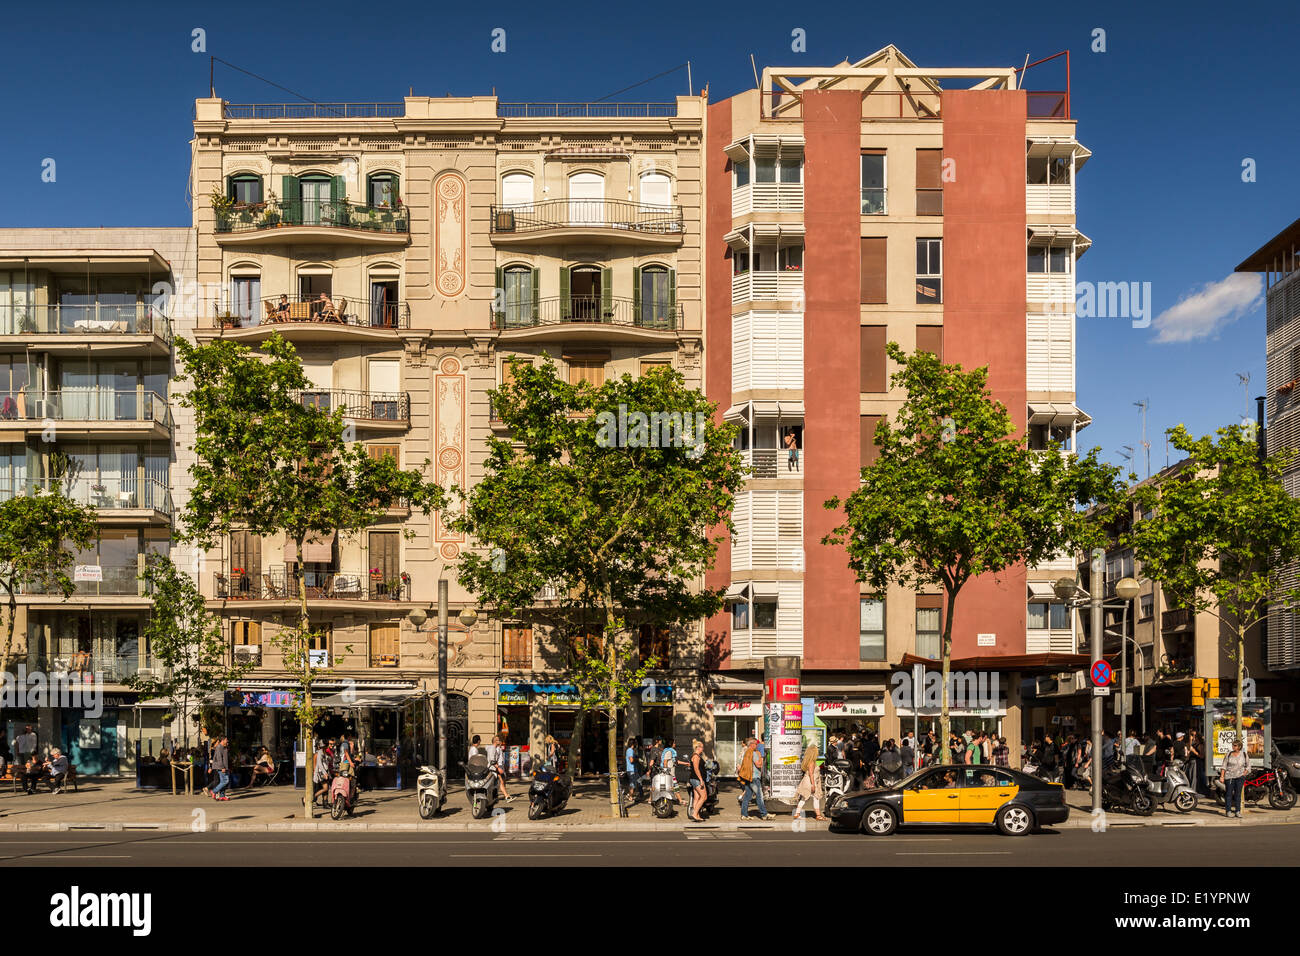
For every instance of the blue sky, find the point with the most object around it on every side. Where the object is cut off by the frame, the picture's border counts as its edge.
(1179, 99)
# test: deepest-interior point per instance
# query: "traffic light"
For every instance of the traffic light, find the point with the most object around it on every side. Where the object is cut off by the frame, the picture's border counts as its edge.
(1204, 688)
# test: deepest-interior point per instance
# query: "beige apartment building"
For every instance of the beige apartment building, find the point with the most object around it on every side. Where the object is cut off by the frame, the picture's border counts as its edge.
(408, 250)
(87, 319)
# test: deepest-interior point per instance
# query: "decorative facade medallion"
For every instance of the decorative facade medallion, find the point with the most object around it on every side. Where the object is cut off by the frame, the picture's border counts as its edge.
(449, 409)
(450, 239)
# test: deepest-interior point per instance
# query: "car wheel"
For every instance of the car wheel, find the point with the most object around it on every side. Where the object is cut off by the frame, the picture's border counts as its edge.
(879, 820)
(1015, 821)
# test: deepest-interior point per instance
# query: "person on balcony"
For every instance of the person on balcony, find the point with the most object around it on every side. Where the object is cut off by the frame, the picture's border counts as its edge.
(326, 310)
(792, 451)
(282, 309)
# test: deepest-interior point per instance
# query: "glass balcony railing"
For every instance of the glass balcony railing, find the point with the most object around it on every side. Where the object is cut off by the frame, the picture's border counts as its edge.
(92, 318)
(119, 580)
(329, 213)
(107, 665)
(103, 493)
(85, 405)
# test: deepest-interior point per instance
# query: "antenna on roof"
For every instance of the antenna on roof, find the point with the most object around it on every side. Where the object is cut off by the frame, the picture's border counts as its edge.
(1243, 379)
(754, 65)
(1144, 404)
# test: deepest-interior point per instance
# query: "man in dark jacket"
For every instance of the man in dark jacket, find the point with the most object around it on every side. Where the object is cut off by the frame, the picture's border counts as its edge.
(221, 767)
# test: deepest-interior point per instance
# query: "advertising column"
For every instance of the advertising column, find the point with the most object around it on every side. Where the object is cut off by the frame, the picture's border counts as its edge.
(783, 724)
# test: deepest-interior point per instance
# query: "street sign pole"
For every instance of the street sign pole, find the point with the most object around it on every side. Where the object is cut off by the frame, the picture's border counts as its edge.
(1096, 585)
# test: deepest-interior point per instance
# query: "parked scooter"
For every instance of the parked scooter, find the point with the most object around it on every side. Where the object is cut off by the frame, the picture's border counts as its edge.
(1126, 787)
(430, 792)
(663, 798)
(710, 786)
(835, 780)
(343, 795)
(548, 794)
(481, 786)
(889, 770)
(1169, 785)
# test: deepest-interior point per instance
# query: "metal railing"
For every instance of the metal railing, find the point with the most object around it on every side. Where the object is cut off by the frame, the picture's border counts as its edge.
(311, 110)
(767, 286)
(586, 214)
(101, 493)
(348, 310)
(92, 318)
(280, 584)
(115, 580)
(587, 110)
(111, 667)
(585, 309)
(85, 405)
(332, 213)
(364, 406)
(1047, 104)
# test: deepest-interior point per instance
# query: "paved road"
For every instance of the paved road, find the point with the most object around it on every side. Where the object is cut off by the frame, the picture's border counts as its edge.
(1255, 846)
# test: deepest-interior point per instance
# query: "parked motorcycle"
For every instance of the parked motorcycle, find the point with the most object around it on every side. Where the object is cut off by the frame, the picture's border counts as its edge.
(343, 795)
(1125, 787)
(1169, 785)
(888, 771)
(548, 794)
(710, 786)
(481, 786)
(430, 792)
(663, 799)
(1271, 782)
(835, 780)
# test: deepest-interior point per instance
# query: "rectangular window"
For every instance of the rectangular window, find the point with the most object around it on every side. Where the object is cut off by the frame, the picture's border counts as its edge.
(653, 643)
(740, 616)
(874, 271)
(764, 615)
(873, 182)
(517, 646)
(790, 258)
(246, 641)
(739, 263)
(1147, 606)
(929, 182)
(1058, 616)
(1053, 259)
(791, 169)
(872, 366)
(764, 169)
(385, 570)
(246, 296)
(929, 271)
(386, 451)
(927, 632)
(741, 169)
(871, 630)
(867, 434)
(320, 643)
(929, 338)
(1036, 616)
(384, 645)
(648, 366)
(590, 371)
(1045, 170)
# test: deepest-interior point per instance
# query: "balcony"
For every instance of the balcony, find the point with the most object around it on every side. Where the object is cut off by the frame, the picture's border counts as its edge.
(280, 584)
(1052, 288)
(767, 286)
(79, 666)
(105, 326)
(772, 463)
(610, 220)
(88, 412)
(589, 317)
(116, 500)
(239, 111)
(766, 197)
(307, 221)
(1043, 199)
(586, 110)
(307, 318)
(390, 411)
(1044, 641)
(1178, 621)
(113, 580)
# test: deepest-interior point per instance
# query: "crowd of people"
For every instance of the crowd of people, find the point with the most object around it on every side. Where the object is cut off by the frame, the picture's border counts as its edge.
(1071, 756)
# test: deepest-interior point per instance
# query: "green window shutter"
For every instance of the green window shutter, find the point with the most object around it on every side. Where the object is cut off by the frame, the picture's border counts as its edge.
(291, 200)
(636, 296)
(566, 308)
(230, 187)
(261, 190)
(606, 291)
(397, 188)
(672, 298)
(500, 290)
(338, 188)
(537, 282)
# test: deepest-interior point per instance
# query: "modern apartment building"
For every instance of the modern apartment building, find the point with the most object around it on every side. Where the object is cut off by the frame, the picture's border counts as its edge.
(85, 362)
(408, 250)
(849, 206)
(1278, 260)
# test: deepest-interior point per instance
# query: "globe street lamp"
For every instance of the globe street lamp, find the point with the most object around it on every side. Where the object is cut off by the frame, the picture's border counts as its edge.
(1126, 589)
(468, 617)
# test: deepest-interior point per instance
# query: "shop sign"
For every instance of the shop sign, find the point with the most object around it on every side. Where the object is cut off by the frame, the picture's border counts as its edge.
(265, 698)
(850, 708)
(88, 572)
(557, 695)
(733, 707)
(656, 693)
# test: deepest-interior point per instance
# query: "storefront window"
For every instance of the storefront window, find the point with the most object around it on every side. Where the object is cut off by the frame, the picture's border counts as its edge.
(729, 735)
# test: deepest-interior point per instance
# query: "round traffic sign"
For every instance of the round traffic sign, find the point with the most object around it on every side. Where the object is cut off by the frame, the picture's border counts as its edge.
(1101, 674)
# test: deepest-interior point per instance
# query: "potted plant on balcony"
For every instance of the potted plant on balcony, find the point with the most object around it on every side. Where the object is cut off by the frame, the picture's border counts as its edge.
(26, 322)
(228, 319)
(271, 214)
(222, 206)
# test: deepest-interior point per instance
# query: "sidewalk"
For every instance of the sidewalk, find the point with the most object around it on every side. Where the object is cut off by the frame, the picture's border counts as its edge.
(115, 804)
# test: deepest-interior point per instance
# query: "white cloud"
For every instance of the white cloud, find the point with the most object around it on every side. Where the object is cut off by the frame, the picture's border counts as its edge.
(1204, 313)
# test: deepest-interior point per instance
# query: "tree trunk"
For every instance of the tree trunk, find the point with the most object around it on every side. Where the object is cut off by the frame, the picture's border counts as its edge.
(304, 625)
(944, 750)
(575, 743)
(6, 659)
(611, 658)
(1241, 690)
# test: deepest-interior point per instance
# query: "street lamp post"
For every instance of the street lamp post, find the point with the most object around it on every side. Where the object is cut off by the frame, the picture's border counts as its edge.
(467, 617)
(1068, 590)
(1126, 589)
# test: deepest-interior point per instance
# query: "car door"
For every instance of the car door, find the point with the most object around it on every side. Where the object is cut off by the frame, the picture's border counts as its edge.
(985, 789)
(930, 799)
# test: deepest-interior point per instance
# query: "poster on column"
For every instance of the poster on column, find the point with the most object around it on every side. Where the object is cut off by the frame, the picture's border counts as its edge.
(785, 727)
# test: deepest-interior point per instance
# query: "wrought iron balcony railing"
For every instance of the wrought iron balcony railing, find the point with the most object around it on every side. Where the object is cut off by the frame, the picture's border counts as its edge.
(585, 110)
(587, 214)
(361, 406)
(91, 318)
(331, 213)
(595, 309)
(340, 310)
(280, 584)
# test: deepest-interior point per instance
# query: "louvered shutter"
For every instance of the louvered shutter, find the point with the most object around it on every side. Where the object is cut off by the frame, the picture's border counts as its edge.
(499, 296)
(566, 307)
(741, 551)
(536, 284)
(606, 292)
(291, 198)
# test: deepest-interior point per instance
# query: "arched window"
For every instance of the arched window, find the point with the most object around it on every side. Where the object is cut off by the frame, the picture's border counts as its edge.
(517, 191)
(586, 199)
(655, 297)
(518, 284)
(656, 190)
(383, 189)
(245, 188)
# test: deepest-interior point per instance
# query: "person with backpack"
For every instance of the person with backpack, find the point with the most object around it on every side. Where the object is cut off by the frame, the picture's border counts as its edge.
(750, 773)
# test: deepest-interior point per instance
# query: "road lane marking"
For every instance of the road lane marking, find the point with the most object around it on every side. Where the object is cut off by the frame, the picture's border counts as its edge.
(516, 856)
(957, 853)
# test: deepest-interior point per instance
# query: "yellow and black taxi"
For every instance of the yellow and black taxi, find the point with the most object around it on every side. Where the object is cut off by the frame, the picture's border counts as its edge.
(1014, 802)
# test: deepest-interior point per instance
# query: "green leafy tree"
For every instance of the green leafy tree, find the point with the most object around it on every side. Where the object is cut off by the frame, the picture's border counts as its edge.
(615, 522)
(39, 536)
(270, 463)
(1217, 533)
(955, 493)
(185, 642)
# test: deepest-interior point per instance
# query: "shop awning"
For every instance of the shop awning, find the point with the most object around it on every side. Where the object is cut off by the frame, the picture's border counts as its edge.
(368, 698)
(1041, 591)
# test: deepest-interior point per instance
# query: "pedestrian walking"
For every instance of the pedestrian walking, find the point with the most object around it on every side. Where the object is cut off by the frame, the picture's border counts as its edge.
(699, 792)
(1233, 777)
(320, 775)
(1196, 763)
(631, 764)
(810, 784)
(1001, 753)
(221, 766)
(1132, 745)
(750, 773)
